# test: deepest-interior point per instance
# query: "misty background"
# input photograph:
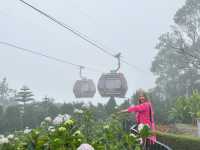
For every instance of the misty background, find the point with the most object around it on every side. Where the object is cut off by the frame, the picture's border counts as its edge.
(131, 27)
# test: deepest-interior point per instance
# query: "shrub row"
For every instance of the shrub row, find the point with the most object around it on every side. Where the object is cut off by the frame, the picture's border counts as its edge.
(179, 142)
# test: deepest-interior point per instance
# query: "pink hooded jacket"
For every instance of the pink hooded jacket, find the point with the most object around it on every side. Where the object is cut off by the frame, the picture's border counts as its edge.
(145, 115)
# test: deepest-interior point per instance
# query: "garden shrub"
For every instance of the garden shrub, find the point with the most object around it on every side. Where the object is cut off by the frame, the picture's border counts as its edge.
(179, 142)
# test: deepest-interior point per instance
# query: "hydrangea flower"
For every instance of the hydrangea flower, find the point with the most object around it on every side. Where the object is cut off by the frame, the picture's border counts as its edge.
(10, 136)
(48, 119)
(27, 130)
(62, 129)
(42, 124)
(69, 122)
(78, 111)
(85, 147)
(106, 127)
(37, 132)
(60, 119)
(51, 129)
(132, 135)
(4, 140)
(66, 117)
(140, 127)
(78, 133)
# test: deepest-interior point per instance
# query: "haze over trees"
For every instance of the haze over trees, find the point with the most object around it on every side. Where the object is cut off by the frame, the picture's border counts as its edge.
(177, 63)
(176, 68)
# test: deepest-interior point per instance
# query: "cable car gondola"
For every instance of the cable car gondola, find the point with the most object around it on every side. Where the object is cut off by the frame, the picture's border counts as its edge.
(84, 88)
(113, 84)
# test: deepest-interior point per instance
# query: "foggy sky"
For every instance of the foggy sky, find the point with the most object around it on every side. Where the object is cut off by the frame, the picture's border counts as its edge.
(131, 27)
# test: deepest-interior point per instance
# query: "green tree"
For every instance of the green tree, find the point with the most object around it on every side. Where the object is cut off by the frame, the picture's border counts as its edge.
(67, 108)
(177, 63)
(186, 109)
(45, 105)
(194, 105)
(180, 111)
(34, 114)
(1, 110)
(6, 93)
(24, 95)
(54, 110)
(99, 112)
(110, 106)
(10, 120)
(161, 107)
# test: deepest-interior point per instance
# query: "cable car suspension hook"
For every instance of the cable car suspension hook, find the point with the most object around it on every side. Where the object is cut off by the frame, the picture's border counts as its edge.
(80, 73)
(118, 56)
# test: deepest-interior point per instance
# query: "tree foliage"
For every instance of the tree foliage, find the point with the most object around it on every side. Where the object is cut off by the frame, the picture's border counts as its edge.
(24, 95)
(177, 63)
(7, 94)
(186, 109)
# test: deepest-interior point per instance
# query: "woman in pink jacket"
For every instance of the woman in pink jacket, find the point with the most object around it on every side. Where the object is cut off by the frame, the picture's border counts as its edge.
(143, 113)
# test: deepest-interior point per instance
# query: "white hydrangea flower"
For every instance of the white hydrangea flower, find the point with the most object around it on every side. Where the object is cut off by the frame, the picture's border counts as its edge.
(51, 129)
(85, 147)
(132, 135)
(66, 117)
(1, 136)
(4, 140)
(48, 119)
(61, 118)
(58, 120)
(10, 136)
(78, 111)
(42, 123)
(37, 132)
(140, 127)
(106, 127)
(27, 130)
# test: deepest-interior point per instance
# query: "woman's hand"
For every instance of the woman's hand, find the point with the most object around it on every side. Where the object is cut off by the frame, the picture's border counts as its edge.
(123, 111)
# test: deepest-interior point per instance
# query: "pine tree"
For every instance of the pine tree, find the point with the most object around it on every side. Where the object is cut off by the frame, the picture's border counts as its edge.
(24, 95)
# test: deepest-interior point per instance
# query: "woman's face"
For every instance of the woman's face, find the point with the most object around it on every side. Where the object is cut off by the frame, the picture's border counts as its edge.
(141, 99)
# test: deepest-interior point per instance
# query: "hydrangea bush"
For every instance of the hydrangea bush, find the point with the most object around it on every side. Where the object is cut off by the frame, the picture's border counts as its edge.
(80, 132)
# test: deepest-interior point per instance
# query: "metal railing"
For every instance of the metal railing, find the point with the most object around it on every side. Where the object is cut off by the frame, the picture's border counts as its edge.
(156, 146)
(148, 145)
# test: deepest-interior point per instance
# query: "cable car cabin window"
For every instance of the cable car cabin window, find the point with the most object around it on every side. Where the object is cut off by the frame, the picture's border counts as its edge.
(113, 84)
(85, 87)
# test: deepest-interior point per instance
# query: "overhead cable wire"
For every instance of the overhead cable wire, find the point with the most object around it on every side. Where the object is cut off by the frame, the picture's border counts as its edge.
(82, 36)
(79, 34)
(47, 56)
(133, 66)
